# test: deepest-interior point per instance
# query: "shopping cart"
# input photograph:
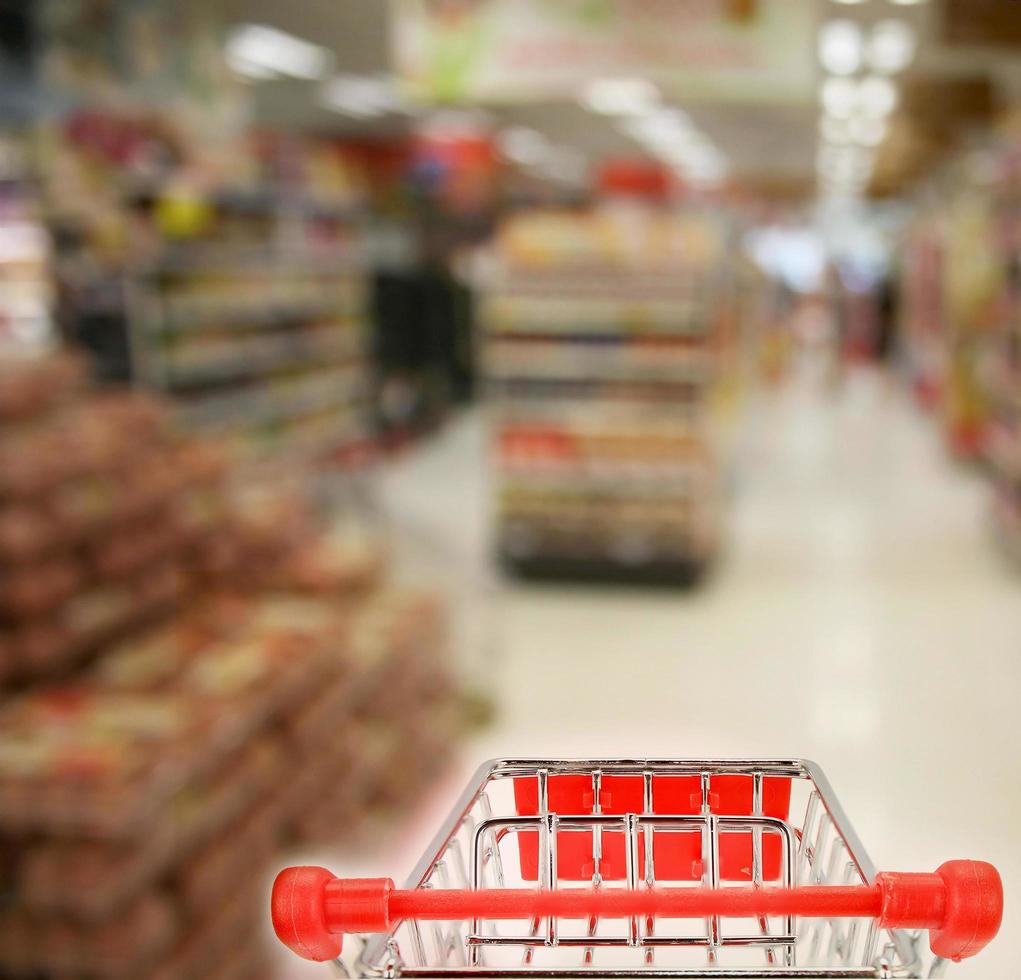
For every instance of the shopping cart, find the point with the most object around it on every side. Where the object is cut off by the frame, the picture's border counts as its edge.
(645, 868)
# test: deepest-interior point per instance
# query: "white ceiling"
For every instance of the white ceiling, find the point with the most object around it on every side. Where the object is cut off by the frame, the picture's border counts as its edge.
(767, 141)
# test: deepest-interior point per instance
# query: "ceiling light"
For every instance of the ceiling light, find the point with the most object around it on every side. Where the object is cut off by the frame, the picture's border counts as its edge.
(839, 96)
(867, 130)
(665, 126)
(620, 96)
(840, 47)
(908, 3)
(834, 130)
(876, 96)
(706, 170)
(359, 95)
(705, 156)
(891, 46)
(695, 157)
(248, 69)
(522, 145)
(706, 177)
(259, 47)
(849, 3)
(844, 163)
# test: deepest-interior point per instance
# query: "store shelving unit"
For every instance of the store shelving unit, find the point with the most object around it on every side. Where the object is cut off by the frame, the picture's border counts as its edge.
(601, 370)
(262, 341)
(1001, 366)
(26, 291)
(962, 317)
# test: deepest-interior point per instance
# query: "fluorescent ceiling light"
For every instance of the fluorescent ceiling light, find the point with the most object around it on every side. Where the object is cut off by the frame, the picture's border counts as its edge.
(705, 156)
(249, 69)
(523, 145)
(908, 3)
(620, 96)
(261, 48)
(666, 126)
(891, 46)
(707, 172)
(867, 130)
(877, 96)
(359, 95)
(834, 130)
(839, 96)
(696, 157)
(841, 47)
(844, 163)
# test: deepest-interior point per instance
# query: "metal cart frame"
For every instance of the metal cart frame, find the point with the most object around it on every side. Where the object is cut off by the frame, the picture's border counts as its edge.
(820, 848)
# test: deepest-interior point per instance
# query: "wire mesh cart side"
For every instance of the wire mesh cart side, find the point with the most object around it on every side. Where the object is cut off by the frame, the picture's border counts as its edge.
(651, 868)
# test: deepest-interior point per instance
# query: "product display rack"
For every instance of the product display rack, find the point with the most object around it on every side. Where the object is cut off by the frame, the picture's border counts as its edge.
(240, 289)
(262, 342)
(962, 319)
(26, 288)
(1000, 369)
(601, 370)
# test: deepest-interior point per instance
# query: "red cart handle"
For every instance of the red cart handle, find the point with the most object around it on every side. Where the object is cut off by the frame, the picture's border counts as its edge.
(961, 905)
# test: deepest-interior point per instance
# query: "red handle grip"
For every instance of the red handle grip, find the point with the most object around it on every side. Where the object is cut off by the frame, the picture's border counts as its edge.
(961, 905)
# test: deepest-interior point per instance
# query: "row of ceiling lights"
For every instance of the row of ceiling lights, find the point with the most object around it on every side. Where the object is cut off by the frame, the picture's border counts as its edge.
(665, 132)
(531, 150)
(264, 53)
(261, 52)
(858, 95)
(853, 123)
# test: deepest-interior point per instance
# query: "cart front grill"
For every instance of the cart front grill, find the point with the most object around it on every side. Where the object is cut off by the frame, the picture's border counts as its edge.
(615, 824)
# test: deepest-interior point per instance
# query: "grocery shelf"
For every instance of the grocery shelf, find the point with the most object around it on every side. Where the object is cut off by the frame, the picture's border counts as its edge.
(241, 361)
(600, 372)
(253, 405)
(255, 345)
(610, 571)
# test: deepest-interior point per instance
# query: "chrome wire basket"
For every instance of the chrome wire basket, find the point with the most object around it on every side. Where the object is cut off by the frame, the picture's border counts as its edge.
(543, 864)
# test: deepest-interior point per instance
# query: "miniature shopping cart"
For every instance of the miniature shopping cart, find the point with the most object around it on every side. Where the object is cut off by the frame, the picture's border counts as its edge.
(645, 868)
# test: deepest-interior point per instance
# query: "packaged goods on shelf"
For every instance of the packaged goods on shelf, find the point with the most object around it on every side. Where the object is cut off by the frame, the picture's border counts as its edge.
(29, 386)
(1000, 366)
(607, 336)
(260, 350)
(170, 765)
(26, 285)
(957, 292)
(143, 795)
(100, 503)
(962, 286)
(240, 293)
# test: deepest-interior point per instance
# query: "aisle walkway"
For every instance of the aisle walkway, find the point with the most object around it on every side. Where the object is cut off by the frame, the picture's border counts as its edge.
(861, 616)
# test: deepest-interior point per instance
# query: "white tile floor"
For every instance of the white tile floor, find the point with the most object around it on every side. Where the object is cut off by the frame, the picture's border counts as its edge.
(861, 616)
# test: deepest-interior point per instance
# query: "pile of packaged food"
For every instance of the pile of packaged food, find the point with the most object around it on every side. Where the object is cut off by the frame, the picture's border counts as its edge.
(141, 804)
(144, 793)
(99, 503)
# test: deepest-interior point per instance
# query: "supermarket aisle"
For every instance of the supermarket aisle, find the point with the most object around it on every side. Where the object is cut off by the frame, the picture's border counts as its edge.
(861, 617)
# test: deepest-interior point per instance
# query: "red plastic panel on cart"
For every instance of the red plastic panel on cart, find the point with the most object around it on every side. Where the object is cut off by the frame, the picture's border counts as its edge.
(677, 854)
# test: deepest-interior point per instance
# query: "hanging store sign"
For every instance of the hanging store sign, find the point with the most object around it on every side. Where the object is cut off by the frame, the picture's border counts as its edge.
(504, 51)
